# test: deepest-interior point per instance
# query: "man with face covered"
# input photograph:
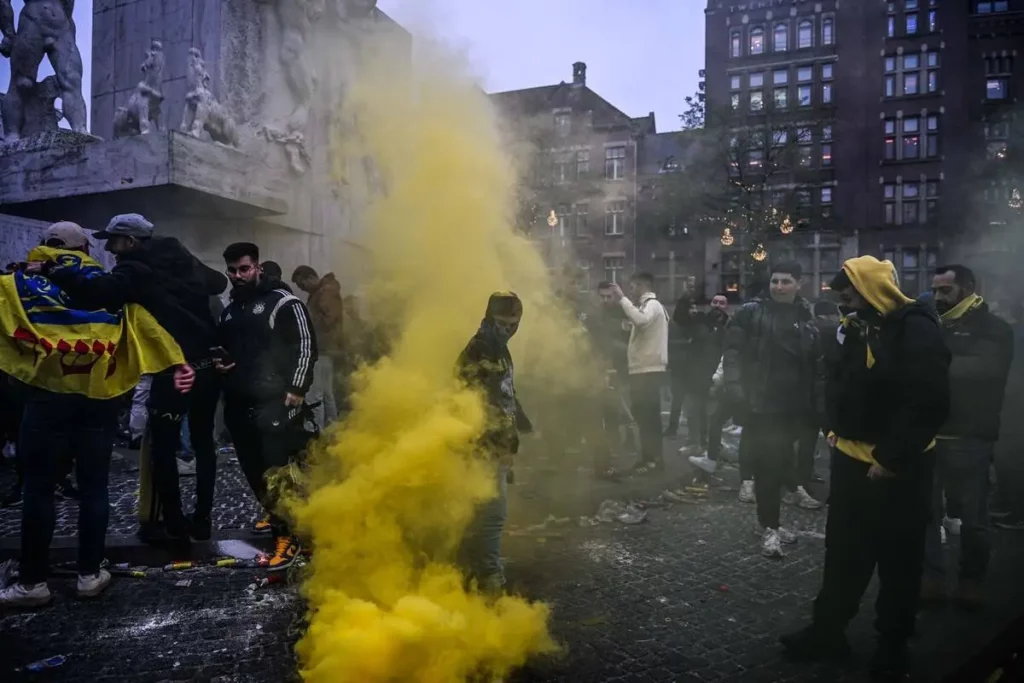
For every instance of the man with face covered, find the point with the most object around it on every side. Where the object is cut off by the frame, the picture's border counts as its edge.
(887, 398)
(268, 350)
(486, 365)
(982, 347)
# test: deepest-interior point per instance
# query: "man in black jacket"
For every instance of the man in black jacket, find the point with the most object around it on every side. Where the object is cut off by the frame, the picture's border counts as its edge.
(982, 347)
(771, 366)
(887, 397)
(707, 356)
(268, 368)
(163, 277)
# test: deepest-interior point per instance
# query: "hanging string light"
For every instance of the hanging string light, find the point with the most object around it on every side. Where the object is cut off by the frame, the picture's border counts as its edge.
(552, 218)
(1015, 200)
(787, 226)
(727, 238)
(760, 254)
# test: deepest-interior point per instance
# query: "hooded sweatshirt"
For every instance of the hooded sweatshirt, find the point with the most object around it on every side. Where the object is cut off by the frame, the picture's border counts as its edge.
(648, 341)
(888, 389)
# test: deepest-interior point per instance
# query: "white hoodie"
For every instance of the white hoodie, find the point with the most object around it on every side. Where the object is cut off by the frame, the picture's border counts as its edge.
(648, 338)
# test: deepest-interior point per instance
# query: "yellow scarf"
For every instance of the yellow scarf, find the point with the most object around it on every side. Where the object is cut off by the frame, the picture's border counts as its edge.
(961, 309)
(50, 346)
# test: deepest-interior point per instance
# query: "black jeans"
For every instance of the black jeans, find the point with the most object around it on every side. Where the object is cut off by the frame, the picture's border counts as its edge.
(56, 424)
(769, 440)
(645, 395)
(167, 409)
(873, 523)
(261, 451)
(806, 449)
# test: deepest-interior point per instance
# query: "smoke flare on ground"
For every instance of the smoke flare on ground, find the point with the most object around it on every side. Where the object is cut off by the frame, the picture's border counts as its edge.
(391, 492)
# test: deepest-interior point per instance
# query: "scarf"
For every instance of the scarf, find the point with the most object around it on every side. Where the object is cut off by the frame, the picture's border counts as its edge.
(961, 309)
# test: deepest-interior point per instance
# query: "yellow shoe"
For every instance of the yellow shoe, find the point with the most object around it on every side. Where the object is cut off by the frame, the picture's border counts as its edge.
(286, 550)
(262, 526)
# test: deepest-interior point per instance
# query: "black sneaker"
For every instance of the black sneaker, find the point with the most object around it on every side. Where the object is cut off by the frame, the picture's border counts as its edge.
(199, 528)
(890, 663)
(66, 490)
(814, 643)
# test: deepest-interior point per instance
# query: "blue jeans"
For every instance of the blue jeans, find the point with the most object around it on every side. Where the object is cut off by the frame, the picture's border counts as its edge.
(481, 546)
(961, 471)
(64, 423)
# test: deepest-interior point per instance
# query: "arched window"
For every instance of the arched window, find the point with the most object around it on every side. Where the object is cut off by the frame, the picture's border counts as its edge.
(781, 38)
(828, 36)
(757, 41)
(805, 34)
(735, 44)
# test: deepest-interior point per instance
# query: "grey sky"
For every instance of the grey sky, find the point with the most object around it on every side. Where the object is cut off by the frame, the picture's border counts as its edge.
(640, 60)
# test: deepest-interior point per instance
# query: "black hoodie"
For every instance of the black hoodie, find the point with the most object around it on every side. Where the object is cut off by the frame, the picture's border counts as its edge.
(163, 277)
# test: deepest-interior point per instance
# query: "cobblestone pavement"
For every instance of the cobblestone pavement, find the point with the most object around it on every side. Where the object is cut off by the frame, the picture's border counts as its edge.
(684, 596)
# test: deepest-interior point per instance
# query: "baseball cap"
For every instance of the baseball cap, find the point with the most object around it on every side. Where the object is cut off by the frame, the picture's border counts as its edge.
(128, 225)
(73, 235)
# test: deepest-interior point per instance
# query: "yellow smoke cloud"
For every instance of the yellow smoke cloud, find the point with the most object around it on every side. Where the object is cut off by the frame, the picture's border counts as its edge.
(390, 494)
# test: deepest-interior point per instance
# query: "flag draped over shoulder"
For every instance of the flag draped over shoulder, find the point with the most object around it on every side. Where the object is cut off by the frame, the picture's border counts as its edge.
(48, 345)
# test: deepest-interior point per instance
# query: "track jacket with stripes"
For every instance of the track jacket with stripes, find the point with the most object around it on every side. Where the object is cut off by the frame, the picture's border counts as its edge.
(269, 336)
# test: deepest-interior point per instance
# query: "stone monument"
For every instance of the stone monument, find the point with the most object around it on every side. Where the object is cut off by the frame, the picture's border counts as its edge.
(255, 85)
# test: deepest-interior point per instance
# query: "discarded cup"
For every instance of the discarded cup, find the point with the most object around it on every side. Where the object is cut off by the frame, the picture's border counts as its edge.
(48, 663)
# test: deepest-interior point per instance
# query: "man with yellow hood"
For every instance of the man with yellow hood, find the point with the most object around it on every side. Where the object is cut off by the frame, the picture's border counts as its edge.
(887, 396)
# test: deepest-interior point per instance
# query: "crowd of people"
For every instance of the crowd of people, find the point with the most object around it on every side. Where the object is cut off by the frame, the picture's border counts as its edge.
(907, 392)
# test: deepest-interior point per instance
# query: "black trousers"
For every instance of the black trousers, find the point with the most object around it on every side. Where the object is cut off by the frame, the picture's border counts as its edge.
(262, 451)
(167, 409)
(769, 440)
(806, 448)
(645, 395)
(875, 523)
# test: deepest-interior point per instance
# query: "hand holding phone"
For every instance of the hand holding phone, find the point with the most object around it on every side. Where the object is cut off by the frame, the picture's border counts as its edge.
(222, 360)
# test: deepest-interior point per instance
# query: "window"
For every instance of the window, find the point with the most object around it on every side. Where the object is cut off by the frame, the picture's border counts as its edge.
(615, 163)
(734, 101)
(910, 84)
(564, 166)
(805, 34)
(826, 72)
(826, 93)
(998, 65)
(911, 62)
(911, 23)
(563, 124)
(911, 138)
(734, 82)
(826, 133)
(988, 7)
(755, 159)
(583, 267)
(803, 95)
(781, 98)
(780, 137)
(903, 138)
(615, 218)
(933, 21)
(890, 65)
(889, 200)
(890, 87)
(564, 219)
(803, 136)
(756, 100)
(757, 79)
(826, 155)
(735, 44)
(583, 163)
(933, 81)
(828, 35)
(757, 41)
(909, 5)
(932, 137)
(910, 212)
(781, 38)
(780, 76)
(803, 197)
(890, 28)
(613, 266)
(995, 89)
(826, 195)
(582, 228)
(805, 156)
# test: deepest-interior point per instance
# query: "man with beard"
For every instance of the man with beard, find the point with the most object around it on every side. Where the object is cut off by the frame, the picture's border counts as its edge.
(162, 276)
(771, 364)
(982, 347)
(887, 397)
(707, 357)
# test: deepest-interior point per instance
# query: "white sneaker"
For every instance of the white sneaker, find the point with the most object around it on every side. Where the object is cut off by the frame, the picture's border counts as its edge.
(734, 430)
(92, 585)
(688, 450)
(186, 468)
(942, 534)
(17, 595)
(801, 498)
(771, 544)
(10, 452)
(703, 463)
(786, 537)
(952, 525)
(747, 492)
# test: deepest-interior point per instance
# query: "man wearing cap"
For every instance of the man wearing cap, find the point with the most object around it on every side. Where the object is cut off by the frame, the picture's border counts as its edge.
(162, 276)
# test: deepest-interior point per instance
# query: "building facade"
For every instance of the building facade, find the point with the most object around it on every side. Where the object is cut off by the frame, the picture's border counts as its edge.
(889, 117)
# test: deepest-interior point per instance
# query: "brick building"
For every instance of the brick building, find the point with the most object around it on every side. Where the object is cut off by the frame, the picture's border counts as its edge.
(890, 115)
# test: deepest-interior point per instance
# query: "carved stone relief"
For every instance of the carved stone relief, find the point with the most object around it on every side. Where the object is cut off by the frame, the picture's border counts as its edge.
(202, 110)
(143, 111)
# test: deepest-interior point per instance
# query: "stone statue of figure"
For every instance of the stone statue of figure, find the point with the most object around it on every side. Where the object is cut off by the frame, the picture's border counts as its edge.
(202, 110)
(142, 113)
(45, 29)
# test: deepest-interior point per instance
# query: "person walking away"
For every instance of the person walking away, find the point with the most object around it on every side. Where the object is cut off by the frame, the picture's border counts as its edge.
(771, 364)
(162, 276)
(887, 398)
(68, 414)
(708, 359)
(982, 347)
(647, 358)
(327, 312)
(271, 350)
(485, 364)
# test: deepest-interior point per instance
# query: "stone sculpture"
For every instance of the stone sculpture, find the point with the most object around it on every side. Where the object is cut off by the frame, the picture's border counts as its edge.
(142, 113)
(202, 110)
(45, 29)
(41, 113)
